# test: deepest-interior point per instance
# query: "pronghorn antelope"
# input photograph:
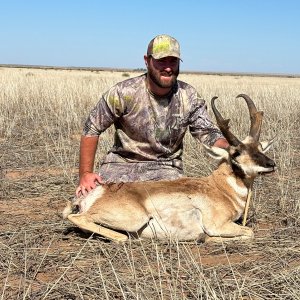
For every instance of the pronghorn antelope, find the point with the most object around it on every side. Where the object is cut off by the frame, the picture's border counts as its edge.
(185, 208)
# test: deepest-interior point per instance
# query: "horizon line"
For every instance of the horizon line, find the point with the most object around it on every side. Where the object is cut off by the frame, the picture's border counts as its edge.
(220, 73)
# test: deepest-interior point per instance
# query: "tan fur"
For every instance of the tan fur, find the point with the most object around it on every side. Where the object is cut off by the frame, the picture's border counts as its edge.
(182, 209)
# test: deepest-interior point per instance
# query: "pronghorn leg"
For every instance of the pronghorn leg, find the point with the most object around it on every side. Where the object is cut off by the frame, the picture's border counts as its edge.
(219, 239)
(85, 223)
(230, 232)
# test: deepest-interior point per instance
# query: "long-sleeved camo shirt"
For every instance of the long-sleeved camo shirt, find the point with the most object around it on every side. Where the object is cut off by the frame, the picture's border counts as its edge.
(149, 129)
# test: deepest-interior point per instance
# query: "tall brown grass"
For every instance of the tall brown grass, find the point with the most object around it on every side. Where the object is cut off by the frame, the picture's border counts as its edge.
(51, 105)
(41, 119)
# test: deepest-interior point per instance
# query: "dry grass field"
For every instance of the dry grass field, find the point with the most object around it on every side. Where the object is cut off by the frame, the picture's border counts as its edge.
(44, 257)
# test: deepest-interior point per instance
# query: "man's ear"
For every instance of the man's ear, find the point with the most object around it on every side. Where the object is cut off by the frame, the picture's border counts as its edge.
(267, 144)
(146, 60)
(216, 152)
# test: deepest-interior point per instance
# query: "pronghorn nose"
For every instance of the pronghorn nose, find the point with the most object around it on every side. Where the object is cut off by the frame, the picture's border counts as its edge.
(271, 164)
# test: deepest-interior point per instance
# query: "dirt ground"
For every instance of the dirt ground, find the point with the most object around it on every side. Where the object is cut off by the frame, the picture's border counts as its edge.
(44, 257)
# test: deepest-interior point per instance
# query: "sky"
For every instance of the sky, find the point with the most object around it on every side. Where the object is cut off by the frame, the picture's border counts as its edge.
(251, 36)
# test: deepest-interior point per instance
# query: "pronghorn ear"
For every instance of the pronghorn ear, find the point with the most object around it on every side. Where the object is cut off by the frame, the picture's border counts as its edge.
(266, 145)
(216, 152)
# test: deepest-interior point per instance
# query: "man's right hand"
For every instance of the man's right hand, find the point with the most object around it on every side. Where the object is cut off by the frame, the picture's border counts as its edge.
(87, 182)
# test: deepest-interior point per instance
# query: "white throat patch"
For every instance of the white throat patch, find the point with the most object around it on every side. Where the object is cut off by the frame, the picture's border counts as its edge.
(240, 190)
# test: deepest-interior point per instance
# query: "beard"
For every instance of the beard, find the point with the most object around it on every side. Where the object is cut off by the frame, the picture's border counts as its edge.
(163, 79)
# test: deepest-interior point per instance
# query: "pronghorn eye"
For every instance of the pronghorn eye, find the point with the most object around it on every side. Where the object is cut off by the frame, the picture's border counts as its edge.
(236, 154)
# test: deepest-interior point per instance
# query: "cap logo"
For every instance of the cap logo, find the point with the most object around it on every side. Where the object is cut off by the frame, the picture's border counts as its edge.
(162, 46)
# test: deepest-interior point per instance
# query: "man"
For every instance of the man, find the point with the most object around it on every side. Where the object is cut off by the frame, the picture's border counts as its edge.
(151, 114)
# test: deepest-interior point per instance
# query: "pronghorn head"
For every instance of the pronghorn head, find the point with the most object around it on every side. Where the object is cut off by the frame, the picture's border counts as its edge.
(246, 157)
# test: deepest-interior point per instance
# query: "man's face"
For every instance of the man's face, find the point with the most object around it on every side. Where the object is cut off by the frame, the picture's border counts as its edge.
(163, 72)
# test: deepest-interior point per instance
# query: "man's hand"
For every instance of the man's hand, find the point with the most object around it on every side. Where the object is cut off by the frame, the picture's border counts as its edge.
(221, 143)
(88, 181)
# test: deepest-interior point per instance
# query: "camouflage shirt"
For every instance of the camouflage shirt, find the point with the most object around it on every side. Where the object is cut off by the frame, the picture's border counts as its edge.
(149, 130)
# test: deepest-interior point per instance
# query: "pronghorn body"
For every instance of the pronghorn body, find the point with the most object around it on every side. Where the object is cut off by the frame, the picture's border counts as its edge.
(184, 208)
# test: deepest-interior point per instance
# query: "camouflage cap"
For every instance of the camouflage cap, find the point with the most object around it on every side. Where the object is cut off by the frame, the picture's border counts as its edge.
(162, 46)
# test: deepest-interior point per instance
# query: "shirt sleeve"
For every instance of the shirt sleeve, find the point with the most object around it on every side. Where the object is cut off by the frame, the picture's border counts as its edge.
(104, 114)
(201, 126)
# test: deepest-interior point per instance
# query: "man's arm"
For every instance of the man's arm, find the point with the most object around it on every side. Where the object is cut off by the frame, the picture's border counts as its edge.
(87, 178)
(201, 125)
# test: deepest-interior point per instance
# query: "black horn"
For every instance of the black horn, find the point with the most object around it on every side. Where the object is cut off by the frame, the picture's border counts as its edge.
(223, 125)
(255, 117)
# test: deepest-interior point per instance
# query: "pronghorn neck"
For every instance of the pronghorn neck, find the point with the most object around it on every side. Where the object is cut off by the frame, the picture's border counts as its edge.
(240, 175)
(226, 175)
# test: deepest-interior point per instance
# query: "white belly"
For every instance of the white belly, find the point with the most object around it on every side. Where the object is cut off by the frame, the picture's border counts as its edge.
(183, 225)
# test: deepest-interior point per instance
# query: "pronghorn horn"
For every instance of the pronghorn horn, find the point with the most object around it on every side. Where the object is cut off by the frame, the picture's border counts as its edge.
(223, 125)
(255, 117)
